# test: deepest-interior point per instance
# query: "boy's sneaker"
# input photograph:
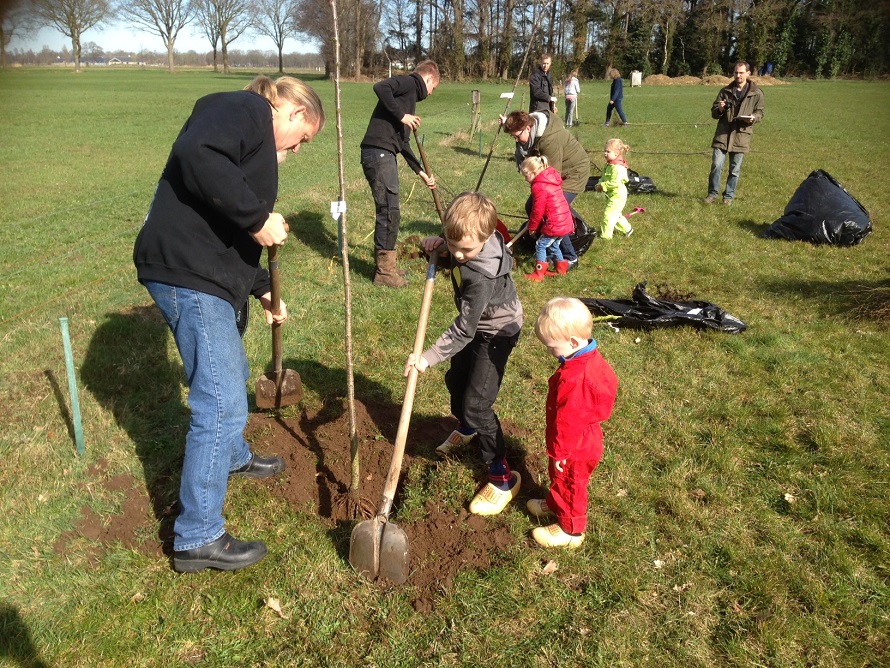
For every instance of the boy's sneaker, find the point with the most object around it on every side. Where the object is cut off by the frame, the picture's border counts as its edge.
(628, 233)
(539, 508)
(710, 199)
(573, 264)
(454, 443)
(554, 536)
(491, 500)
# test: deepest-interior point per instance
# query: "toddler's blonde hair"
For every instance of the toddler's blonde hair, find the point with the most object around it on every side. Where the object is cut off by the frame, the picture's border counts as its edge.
(534, 165)
(562, 318)
(616, 144)
(470, 214)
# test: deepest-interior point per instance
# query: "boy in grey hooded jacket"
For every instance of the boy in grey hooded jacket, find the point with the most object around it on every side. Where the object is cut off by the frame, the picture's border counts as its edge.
(479, 341)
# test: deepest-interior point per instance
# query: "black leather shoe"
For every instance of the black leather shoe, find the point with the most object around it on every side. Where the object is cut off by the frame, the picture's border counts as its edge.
(259, 467)
(224, 554)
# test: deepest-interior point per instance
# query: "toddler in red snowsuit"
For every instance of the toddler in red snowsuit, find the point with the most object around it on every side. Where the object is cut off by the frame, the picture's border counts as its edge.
(581, 395)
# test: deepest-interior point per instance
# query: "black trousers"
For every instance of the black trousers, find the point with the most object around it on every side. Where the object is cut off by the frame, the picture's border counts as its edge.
(382, 173)
(474, 381)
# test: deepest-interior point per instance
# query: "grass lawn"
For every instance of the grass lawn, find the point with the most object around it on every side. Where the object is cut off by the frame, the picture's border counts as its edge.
(739, 516)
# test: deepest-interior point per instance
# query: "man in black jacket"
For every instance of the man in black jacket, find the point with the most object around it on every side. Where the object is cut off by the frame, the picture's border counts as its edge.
(541, 87)
(388, 134)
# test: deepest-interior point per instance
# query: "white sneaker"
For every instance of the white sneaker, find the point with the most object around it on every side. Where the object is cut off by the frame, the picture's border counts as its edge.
(454, 443)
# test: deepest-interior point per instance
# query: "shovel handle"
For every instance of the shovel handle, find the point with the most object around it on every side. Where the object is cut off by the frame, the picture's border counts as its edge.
(276, 309)
(519, 234)
(395, 466)
(426, 168)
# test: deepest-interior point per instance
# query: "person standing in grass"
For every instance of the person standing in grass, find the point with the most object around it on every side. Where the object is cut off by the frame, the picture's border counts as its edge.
(388, 135)
(616, 98)
(572, 91)
(580, 396)
(479, 341)
(737, 108)
(550, 212)
(614, 185)
(198, 255)
(540, 87)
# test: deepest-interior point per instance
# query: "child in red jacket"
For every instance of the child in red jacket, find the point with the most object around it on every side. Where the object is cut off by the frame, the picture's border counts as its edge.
(581, 395)
(550, 211)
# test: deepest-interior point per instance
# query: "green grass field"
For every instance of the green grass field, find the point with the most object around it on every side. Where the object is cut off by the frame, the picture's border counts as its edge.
(738, 518)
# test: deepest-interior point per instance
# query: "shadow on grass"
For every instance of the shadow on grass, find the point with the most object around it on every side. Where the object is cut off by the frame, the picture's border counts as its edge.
(128, 371)
(855, 299)
(15, 640)
(755, 228)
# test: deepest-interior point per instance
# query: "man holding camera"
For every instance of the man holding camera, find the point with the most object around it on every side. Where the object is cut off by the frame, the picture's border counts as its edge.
(737, 108)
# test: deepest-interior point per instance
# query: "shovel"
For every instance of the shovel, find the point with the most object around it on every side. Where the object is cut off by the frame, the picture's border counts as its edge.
(377, 547)
(281, 387)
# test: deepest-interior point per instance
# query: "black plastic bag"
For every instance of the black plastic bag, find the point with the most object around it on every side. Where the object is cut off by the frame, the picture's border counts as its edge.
(823, 212)
(635, 183)
(582, 238)
(647, 312)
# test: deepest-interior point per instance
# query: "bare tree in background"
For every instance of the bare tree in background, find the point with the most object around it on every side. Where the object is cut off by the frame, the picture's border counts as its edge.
(160, 17)
(72, 18)
(209, 22)
(15, 21)
(275, 19)
(224, 21)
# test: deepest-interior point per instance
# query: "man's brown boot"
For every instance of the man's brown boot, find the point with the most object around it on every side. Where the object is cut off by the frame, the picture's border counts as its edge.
(386, 273)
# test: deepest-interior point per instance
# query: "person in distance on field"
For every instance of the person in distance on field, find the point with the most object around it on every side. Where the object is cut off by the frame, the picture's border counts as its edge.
(737, 108)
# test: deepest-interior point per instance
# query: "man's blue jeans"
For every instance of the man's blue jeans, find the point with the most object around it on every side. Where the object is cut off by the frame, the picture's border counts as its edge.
(735, 168)
(216, 370)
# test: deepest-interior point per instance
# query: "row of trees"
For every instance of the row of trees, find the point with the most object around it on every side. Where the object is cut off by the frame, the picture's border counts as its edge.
(93, 54)
(487, 38)
(221, 21)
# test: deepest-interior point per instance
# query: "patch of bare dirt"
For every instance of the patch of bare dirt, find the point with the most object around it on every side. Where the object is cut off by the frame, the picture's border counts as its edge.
(315, 448)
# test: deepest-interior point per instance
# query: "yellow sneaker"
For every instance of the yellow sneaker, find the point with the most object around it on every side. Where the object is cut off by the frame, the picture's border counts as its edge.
(491, 500)
(454, 443)
(539, 508)
(554, 536)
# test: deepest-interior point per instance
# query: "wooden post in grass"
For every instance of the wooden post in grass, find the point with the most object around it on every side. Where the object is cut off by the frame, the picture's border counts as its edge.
(338, 210)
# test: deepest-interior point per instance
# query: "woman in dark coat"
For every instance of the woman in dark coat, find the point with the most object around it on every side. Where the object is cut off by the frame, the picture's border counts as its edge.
(616, 97)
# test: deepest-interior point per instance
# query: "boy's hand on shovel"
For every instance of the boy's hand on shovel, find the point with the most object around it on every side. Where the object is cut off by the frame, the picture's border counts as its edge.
(413, 362)
(271, 316)
(273, 232)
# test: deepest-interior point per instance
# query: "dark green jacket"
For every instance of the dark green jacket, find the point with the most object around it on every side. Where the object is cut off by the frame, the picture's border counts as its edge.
(734, 135)
(564, 153)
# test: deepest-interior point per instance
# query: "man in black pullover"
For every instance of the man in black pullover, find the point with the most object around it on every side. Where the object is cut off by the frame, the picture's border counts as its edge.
(388, 134)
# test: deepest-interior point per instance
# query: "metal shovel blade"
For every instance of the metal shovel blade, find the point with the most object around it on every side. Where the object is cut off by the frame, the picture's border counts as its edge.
(379, 549)
(272, 394)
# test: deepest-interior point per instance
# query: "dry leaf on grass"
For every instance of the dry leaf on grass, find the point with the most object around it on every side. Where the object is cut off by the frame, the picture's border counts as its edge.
(274, 604)
(550, 567)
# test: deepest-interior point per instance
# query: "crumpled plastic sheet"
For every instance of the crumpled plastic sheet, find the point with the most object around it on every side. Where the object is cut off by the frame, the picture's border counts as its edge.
(646, 312)
(823, 212)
